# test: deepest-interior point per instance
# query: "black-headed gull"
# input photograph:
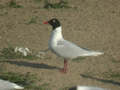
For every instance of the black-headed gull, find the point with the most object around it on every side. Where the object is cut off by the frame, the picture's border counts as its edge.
(6, 85)
(64, 48)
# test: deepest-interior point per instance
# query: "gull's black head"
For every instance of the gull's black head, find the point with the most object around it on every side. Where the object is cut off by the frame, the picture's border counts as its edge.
(53, 22)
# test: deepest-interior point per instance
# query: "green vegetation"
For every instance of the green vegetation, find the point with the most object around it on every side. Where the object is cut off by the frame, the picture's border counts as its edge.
(47, 4)
(44, 86)
(9, 53)
(32, 20)
(2, 6)
(37, 1)
(65, 88)
(13, 4)
(115, 75)
(112, 75)
(3, 13)
(61, 4)
(109, 75)
(114, 60)
(28, 80)
(21, 79)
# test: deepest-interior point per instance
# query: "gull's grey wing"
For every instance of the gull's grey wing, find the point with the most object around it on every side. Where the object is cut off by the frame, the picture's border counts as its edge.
(69, 50)
(89, 88)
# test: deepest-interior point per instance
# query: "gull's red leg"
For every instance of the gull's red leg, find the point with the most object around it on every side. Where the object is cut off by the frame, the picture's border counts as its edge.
(64, 70)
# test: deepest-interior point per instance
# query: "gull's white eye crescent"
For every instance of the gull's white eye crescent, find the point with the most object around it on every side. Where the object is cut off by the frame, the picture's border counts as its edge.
(54, 21)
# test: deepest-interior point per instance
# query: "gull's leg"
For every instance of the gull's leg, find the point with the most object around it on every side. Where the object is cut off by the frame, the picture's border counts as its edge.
(64, 70)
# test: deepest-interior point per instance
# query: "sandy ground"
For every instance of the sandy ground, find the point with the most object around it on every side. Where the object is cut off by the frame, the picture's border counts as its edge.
(93, 24)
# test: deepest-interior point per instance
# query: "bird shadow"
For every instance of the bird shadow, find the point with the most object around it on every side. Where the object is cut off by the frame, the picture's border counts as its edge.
(34, 65)
(101, 80)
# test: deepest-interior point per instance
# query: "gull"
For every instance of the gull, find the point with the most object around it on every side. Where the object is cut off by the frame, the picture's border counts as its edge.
(87, 88)
(22, 50)
(6, 85)
(64, 48)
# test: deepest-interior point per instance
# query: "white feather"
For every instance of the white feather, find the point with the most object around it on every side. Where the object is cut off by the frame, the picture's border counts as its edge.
(6, 85)
(22, 50)
(17, 86)
(67, 49)
(89, 88)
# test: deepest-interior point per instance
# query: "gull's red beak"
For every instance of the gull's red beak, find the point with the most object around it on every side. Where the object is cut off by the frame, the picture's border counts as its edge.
(45, 22)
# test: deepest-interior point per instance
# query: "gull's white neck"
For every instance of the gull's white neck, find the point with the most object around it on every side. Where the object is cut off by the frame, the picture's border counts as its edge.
(56, 35)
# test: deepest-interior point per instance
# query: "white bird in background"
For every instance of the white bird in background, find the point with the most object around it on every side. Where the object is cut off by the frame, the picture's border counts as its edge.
(87, 88)
(24, 51)
(6, 85)
(64, 48)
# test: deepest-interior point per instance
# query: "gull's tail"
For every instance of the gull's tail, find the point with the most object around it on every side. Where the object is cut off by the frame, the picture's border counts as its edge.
(92, 53)
(96, 53)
